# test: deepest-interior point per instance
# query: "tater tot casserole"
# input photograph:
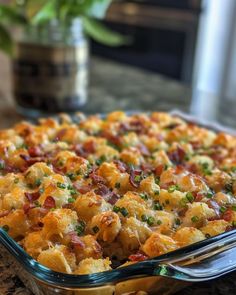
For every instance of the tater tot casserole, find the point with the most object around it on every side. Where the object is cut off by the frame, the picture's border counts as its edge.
(98, 193)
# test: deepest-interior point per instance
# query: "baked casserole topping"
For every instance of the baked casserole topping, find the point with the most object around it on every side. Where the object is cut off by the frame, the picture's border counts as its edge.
(93, 194)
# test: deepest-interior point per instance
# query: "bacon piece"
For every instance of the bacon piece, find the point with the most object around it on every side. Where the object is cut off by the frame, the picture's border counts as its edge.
(114, 139)
(159, 169)
(135, 126)
(83, 189)
(49, 203)
(132, 178)
(75, 240)
(143, 150)
(138, 257)
(102, 190)
(32, 196)
(177, 156)
(146, 168)
(89, 147)
(228, 215)
(4, 213)
(27, 207)
(121, 166)
(30, 161)
(83, 150)
(198, 196)
(108, 195)
(35, 151)
(96, 178)
(214, 205)
(113, 198)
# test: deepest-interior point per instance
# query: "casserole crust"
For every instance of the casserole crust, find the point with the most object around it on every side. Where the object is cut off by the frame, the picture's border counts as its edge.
(86, 197)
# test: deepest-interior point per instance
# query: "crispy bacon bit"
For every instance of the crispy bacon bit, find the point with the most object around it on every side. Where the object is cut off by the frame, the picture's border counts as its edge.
(143, 150)
(195, 145)
(138, 257)
(27, 207)
(97, 178)
(198, 196)
(135, 126)
(78, 148)
(4, 213)
(83, 150)
(177, 156)
(60, 134)
(76, 240)
(191, 167)
(135, 177)
(83, 189)
(146, 168)
(49, 203)
(30, 161)
(172, 126)
(35, 151)
(113, 198)
(114, 139)
(121, 166)
(108, 195)
(214, 205)
(159, 169)
(228, 215)
(102, 190)
(32, 196)
(89, 147)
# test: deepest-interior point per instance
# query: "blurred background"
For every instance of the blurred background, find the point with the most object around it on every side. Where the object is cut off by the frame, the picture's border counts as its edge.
(164, 54)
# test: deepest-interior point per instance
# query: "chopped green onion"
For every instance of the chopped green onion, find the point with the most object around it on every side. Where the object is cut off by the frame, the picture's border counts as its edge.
(71, 200)
(71, 175)
(117, 185)
(157, 206)
(177, 221)
(150, 221)
(223, 209)
(124, 211)
(144, 218)
(38, 182)
(144, 196)
(137, 178)
(234, 207)
(61, 185)
(173, 188)
(116, 209)
(80, 228)
(159, 222)
(95, 229)
(195, 219)
(190, 197)
(16, 180)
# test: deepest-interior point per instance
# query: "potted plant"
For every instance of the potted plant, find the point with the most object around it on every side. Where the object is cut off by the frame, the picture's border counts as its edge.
(50, 51)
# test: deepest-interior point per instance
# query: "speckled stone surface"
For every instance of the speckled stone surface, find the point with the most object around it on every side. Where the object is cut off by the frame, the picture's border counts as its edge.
(113, 86)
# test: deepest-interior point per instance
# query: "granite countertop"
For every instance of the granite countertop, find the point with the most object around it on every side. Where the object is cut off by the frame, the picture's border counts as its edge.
(113, 86)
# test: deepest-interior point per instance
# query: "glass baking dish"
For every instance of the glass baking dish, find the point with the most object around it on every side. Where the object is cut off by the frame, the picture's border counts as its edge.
(165, 274)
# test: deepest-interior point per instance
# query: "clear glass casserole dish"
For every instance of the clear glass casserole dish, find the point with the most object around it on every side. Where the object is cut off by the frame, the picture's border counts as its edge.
(162, 275)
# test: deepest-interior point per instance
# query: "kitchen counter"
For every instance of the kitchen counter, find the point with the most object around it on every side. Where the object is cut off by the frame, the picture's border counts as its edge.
(113, 86)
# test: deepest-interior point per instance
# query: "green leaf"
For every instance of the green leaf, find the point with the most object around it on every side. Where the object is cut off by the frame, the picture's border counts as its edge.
(10, 15)
(95, 8)
(32, 7)
(6, 43)
(100, 33)
(46, 13)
